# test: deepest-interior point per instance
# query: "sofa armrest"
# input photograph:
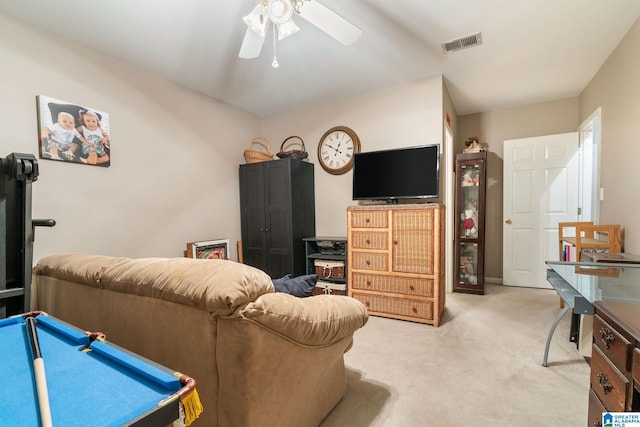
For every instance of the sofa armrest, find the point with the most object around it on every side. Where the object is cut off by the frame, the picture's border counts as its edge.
(315, 321)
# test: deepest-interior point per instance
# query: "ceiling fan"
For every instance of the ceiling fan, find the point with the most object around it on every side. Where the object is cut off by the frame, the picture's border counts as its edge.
(280, 14)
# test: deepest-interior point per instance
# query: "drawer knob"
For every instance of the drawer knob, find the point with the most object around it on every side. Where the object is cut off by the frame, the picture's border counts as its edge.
(413, 288)
(366, 303)
(607, 337)
(395, 242)
(368, 262)
(415, 310)
(368, 242)
(604, 383)
(366, 220)
(368, 282)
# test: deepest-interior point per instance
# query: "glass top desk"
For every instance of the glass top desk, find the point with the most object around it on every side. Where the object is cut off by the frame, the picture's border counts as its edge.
(580, 284)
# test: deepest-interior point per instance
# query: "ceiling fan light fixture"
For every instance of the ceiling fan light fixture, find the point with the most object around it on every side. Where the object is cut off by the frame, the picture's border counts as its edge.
(287, 29)
(257, 21)
(280, 11)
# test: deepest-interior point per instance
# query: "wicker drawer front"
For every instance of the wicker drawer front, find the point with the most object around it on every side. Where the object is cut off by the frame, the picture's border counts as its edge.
(369, 219)
(396, 306)
(611, 387)
(391, 284)
(367, 261)
(612, 344)
(370, 240)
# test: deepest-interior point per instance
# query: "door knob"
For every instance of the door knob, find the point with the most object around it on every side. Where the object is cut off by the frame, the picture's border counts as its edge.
(508, 221)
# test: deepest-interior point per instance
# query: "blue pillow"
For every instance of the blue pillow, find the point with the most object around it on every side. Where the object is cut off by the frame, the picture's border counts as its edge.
(301, 286)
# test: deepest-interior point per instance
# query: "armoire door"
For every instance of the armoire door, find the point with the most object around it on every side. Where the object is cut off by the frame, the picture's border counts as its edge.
(278, 207)
(252, 211)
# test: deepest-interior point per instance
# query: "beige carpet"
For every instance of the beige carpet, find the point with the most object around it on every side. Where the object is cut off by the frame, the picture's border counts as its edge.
(481, 367)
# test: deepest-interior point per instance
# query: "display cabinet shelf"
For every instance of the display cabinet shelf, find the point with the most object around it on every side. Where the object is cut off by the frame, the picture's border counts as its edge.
(469, 222)
(326, 248)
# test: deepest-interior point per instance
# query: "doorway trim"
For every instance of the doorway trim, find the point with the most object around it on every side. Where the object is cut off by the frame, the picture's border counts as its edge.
(449, 196)
(589, 167)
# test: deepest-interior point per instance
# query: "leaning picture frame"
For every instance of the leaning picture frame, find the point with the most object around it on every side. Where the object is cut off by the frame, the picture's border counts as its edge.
(210, 249)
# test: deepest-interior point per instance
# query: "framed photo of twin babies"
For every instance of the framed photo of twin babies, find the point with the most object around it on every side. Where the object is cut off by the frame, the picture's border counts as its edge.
(74, 133)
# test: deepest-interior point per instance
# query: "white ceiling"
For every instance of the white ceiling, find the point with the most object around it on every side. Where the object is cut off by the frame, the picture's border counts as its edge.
(532, 51)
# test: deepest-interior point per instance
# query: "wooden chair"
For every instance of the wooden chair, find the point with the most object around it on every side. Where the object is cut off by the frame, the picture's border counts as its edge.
(569, 228)
(589, 236)
(586, 236)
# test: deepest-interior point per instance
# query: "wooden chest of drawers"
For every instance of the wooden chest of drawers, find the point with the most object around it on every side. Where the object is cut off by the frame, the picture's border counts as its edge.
(395, 260)
(615, 360)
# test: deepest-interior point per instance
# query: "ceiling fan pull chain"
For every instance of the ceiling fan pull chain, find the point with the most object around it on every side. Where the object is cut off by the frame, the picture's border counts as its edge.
(275, 63)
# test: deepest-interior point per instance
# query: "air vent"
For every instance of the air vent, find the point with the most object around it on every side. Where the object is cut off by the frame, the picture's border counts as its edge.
(462, 43)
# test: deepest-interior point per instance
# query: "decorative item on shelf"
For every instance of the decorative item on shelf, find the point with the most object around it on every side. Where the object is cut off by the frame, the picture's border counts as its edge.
(469, 177)
(470, 219)
(330, 247)
(256, 156)
(473, 145)
(294, 154)
(208, 249)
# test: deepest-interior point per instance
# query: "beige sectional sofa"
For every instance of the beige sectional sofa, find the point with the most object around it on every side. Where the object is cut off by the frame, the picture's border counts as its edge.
(260, 358)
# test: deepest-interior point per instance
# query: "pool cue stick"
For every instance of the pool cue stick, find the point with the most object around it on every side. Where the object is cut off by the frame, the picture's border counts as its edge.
(41, 378)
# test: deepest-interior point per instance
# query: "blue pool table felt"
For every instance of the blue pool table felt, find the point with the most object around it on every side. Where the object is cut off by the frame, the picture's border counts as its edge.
(102, 387)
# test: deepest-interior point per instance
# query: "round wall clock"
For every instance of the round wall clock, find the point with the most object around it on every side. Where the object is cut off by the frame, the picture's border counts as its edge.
(336, 149)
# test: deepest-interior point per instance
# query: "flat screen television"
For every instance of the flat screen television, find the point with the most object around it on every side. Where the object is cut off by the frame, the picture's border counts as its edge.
(403, 173)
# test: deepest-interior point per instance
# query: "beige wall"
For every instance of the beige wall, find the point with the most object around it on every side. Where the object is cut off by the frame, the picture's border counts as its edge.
(400, 116)
(175, 153)
(493, 128)
(616, 88)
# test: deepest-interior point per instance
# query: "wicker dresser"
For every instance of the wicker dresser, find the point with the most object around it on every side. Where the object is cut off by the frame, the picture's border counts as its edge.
(395, 260)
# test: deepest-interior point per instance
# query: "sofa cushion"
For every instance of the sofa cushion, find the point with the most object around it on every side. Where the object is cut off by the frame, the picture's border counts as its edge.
(218, 286)
(66, 267)
(316, 321)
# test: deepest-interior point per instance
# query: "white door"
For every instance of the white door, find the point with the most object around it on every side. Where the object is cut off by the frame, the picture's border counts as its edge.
(540, 189)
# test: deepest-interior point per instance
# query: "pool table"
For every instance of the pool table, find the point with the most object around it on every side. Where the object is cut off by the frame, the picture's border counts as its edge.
(90, 382)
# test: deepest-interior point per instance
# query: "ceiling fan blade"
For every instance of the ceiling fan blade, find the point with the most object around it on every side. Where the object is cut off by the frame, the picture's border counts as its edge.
(330, 22)
(251, 45)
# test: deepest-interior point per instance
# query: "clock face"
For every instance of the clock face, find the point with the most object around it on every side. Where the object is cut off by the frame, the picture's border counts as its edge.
(336, 149)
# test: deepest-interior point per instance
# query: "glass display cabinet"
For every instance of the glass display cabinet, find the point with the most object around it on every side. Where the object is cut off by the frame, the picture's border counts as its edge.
(468, 276)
